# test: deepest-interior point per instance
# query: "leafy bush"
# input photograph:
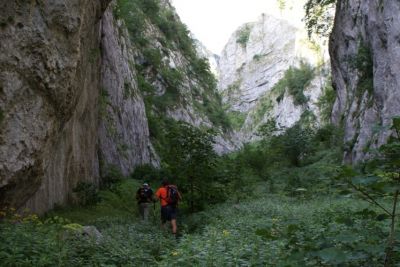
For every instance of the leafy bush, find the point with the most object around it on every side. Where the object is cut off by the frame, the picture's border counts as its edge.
(326, 102)
(86, 193)
(243, 35)
(295, 80)
(110, 176)
(364, 64)
(236, 119)
(149, 173)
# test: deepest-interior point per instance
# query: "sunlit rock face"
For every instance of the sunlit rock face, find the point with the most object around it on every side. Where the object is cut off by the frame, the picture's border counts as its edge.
(370, 97)
(254, 60)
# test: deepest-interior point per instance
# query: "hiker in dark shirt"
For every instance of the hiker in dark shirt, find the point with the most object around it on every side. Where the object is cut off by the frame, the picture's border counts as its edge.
(144, 197)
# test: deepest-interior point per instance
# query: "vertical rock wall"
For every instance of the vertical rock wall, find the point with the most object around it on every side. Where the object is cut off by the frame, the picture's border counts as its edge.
(365, 33)
(48, 91)
(124, 134)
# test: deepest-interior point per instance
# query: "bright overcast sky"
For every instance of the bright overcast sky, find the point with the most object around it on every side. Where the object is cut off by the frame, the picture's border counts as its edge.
(213, 21)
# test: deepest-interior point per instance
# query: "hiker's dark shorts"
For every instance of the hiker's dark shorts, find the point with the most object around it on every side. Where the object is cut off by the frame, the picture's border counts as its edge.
(168, 213)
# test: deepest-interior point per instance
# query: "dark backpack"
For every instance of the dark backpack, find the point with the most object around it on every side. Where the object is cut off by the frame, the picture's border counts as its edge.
(145, 194)
(173, 195)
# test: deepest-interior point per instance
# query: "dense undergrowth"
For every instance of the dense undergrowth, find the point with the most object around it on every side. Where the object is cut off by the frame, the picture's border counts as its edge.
(283, 206)
(264, 230)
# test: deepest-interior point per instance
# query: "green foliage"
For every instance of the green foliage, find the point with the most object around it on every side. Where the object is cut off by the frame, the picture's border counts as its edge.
(144, 85)
(243, 35)
(212, 106)
(173, 79)
(363, 63)
(295, 80)
(110, 176)
(86, 193)
(326, 101)
(191, 159)
(128, 90)
(152, 58)
(378, 182)
(319, 16)
(257, 57)
(148, 173)
(323, 232)
(236, 119)
(263, 106)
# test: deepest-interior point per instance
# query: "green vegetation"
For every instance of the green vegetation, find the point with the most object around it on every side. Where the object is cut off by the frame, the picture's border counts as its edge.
(264, 105)
(288, 202)
(295, 80)
(257, 57)
(154, 67)
(326, 101)
(319, 16)
(363, 63)
(243, 35)
(236, 119)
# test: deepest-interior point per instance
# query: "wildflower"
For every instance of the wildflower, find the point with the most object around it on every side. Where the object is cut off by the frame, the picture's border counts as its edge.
(225, 232)
(175, 253)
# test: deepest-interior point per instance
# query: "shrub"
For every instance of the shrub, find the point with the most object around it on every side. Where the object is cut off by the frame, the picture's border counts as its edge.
(297, 80)
(86, 193)
(326, 101)
(363, 63)
(150, 173)
(111, 175)
(243, 35)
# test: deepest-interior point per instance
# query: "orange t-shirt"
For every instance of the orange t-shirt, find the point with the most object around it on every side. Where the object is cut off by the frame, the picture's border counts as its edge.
(162, 195)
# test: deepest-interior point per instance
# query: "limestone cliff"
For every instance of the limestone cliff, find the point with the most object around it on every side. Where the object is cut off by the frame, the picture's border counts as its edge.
(124, 139)
(68, 100)
(253, 62)
(80, 84)
(365, 52)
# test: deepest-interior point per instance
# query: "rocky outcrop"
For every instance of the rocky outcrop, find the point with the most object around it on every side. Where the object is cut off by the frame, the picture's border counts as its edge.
(69, 101)
(365, 53)
(254, 61)
(48, 92)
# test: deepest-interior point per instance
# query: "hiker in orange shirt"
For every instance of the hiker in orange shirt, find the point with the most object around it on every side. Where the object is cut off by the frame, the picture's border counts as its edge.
(169, 197)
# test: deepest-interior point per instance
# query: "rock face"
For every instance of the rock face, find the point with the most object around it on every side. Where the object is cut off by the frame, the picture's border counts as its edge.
(71, 101)
(123, 133)
(254, 60)
(59, 59)
(365, 52)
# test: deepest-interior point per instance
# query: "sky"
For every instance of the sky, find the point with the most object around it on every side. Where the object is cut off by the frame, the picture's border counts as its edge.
(213, 21)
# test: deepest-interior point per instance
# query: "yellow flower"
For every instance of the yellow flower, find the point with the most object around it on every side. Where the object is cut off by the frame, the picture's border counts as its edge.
(225, 232)
(73, 227)
(175, 253)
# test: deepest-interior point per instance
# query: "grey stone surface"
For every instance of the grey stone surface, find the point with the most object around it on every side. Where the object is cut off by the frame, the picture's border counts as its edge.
(374, 25)
(248, 72)
(48, 92)
(123, 131)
